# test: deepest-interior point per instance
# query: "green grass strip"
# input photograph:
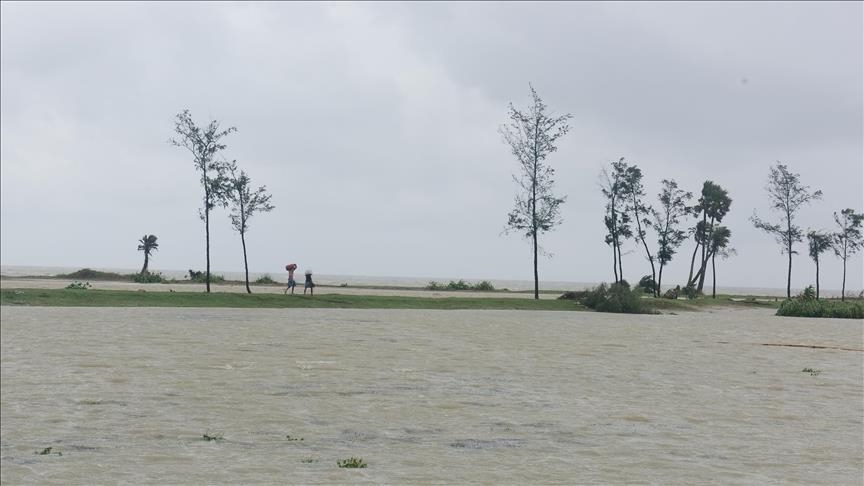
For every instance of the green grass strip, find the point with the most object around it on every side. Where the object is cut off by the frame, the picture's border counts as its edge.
(125, 298)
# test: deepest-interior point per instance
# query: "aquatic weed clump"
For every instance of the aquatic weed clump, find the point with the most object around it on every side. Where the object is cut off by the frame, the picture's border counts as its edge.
(351, 462)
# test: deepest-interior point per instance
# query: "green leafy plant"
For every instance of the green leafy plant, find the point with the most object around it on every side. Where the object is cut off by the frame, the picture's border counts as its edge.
(148, 277)
(265, 279)
(690, 292)
(209, 436)
(201, 277)
(647, 284)
(812, 371)
(822, 308)
(617, 297)
(47, 451)
(807, 295)
(351, 462)
(79, 285)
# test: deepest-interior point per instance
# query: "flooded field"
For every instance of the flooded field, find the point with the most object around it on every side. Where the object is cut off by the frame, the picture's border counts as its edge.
(454, 397)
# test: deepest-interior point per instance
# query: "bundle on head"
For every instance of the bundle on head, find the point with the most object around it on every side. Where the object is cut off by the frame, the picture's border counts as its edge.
(291, 266)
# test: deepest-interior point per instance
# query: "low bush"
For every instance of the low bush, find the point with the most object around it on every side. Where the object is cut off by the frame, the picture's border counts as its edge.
(460, 285)
(690, 292)
(647, 284)
(201, 277)
(616, 298)
(148, 277)
(673, 293)
(89, 274)
(352, 462)
(264, 279)
(79, 285)
(821, 308)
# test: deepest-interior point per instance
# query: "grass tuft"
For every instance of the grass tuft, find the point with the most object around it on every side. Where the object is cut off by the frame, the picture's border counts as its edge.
(351, 462)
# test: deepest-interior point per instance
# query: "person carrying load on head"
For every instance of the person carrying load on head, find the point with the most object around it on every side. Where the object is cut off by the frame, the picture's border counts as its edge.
(291, 283)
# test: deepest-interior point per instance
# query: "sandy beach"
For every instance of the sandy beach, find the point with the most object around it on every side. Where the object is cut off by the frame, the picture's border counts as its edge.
(444, 397)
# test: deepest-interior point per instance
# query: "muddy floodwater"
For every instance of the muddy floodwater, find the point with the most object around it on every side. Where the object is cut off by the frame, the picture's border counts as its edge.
(447, 397)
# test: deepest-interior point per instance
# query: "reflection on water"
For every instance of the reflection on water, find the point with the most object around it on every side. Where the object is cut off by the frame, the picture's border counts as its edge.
(126, 395)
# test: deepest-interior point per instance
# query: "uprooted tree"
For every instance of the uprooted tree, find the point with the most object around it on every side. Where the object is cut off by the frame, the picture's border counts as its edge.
(532, 135)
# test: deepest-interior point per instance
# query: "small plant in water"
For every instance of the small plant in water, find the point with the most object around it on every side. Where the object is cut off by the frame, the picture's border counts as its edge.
(76, 285)
(293, 438)
(308, 460)
(351, 462)
(47, 451)
(813, 372)
(209, 436)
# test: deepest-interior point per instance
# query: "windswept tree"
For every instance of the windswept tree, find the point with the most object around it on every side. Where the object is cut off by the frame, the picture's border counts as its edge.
(634, 192)
(711, 208)
(245, 202)
(148, 246)
(204, 143)
(818, 242)
(673, 206)
(848, 240)
(787, 195)
(613, 184)
(719, 246)
(532, 135)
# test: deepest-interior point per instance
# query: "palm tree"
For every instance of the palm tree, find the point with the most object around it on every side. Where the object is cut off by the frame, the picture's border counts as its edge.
(148, 245)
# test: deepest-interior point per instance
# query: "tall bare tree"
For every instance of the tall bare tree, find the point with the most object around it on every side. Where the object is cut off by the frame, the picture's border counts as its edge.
(613, 185)
(204, 143)
(848, 240)
(148, 246)
(787, 195)
(245, 202)
(532, 135)
(635, 194)
(673, 206)
(818, 242)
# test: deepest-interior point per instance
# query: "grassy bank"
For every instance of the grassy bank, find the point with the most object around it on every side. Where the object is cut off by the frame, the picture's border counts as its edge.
(123, 298)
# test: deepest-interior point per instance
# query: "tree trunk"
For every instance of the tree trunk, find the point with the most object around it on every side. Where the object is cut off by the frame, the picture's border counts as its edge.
(207, 233)
(536, 276)
(614, 261)
(144, 268)
(713, 277)
(659, 279)
(692, 261)
(789, 275)
(245, 263)
(843, 290)
(620, 267)
(817, 277)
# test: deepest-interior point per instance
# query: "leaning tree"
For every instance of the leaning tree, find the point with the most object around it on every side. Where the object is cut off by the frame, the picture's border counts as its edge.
(710, 210)
(673, 206)
(148, 246)
(787, 195)
(532, 135)
(204, 143)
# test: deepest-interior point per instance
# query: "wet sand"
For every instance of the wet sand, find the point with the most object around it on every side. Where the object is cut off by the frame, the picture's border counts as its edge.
(445, 397)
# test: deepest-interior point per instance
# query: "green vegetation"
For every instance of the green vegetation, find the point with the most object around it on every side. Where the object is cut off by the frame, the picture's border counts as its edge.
(351, 462)
(265, 280)
(148, 277)
(822, 308)
(293, 438)
(79, 285)
(201, 277)
(461, 285)
(209, 436)
(122, 298)
(813, 372)
(88, 274)
(617, 297)
(47, 452)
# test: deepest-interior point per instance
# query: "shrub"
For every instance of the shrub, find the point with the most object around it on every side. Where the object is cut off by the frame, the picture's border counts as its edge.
(690, 292)
(89, 274)
(264, 279)
(615, 298)
(672, 293)
(573, 295)
(460, 285)
(201, 277)
(808, 294)
(433, 285)
(148, 277)
(352, 462)
(647, 284)
(484, 285)
(821, 308)
(79, 285)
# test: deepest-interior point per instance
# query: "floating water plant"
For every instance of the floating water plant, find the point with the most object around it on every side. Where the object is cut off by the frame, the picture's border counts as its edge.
(47, 451)
(211, 436)
(351, 462)
(813, 372)
(293, 438)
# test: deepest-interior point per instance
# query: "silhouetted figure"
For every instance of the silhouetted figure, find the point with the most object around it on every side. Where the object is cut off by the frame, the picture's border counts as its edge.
(309, 285)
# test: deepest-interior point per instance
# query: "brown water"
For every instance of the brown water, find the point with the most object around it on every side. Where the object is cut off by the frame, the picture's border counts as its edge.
(456, 397)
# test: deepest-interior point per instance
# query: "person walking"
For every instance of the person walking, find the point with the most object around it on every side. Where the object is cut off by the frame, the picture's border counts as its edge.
(291, 283)
(309, 285)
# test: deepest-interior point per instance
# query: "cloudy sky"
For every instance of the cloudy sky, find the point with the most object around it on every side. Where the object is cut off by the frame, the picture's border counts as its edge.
(374, 126)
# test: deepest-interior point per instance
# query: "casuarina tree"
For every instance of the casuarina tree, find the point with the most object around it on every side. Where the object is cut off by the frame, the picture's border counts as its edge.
(204, 143)
(635, 194)
(673, 206)
(148, 246)
(787, 195)
(818, 242)
(848, 240)
(613, 185)
(245, 202)
(532, 135)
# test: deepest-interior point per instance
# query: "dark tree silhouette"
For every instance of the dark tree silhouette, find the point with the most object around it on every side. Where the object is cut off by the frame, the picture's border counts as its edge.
(204, 143)
(673, 206)
(532, 135)
(613, 185)
(712, 207)
(817, 242)
(848, 240)
(787, 195)
(245, 202)
(719, 246)
(635, 194)
(148, 246)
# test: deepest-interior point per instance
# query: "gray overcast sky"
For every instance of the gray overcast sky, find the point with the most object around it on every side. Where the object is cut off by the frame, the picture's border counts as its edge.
(375, 128)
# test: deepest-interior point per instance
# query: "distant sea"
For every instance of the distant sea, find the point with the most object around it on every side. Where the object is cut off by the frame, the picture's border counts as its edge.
(355, 280)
